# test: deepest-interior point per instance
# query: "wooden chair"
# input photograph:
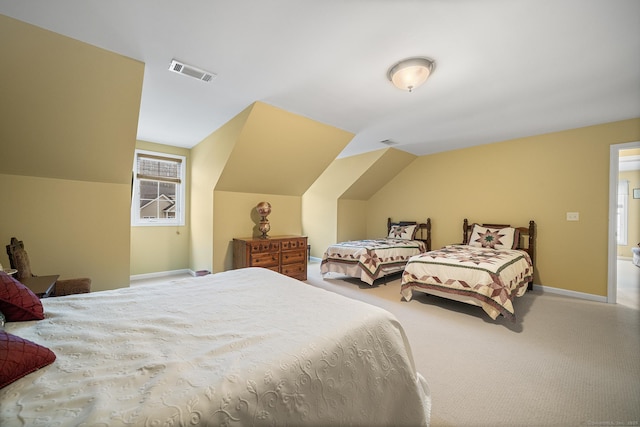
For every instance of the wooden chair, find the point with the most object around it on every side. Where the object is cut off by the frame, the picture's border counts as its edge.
(19, 260)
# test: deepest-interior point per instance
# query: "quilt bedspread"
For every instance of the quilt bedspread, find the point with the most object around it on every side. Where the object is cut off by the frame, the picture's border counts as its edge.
(246, 347)
(492, 277)
(369, 260)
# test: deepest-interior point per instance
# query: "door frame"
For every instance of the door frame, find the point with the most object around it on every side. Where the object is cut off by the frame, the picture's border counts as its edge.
(614, 163)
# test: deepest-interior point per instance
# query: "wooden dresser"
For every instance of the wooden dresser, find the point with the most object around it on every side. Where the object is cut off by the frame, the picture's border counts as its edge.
(284, 254)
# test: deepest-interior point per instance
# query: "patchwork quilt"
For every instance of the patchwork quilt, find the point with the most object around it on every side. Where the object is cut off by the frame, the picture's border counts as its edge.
(369, 260)
(490, 278)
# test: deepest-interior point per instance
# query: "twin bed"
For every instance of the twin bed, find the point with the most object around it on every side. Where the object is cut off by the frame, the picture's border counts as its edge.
(492, 266)
(246, 347)
(372, 259)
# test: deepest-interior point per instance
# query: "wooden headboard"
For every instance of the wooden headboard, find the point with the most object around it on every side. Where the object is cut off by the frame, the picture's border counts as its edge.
(527, 234)
(423, 230)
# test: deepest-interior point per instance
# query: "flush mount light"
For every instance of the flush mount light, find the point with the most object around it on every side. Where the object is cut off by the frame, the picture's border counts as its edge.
(410, 73)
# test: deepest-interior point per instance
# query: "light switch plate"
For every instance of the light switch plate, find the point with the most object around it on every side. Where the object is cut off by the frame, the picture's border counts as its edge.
(573, 216)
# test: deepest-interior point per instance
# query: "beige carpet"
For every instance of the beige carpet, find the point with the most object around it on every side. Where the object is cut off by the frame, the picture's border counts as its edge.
(565, 362)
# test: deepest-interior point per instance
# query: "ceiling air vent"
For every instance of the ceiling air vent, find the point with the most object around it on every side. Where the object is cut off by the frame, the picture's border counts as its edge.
(388, 142)
(191, 71)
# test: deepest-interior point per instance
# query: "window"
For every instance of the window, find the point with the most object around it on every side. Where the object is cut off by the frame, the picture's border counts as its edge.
(158, 189)
(623, 201)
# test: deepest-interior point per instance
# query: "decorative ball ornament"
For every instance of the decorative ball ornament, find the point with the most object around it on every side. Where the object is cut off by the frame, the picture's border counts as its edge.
(264, 209)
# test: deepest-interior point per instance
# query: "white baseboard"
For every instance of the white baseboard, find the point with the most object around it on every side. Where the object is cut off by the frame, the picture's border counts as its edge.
(568, 293)
(161, 274)
(315, 259)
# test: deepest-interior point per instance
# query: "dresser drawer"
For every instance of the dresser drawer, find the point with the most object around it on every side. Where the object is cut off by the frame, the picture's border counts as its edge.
(265, 259)
(297, 271)
(290, 257)
(264, 246)
(294, 244)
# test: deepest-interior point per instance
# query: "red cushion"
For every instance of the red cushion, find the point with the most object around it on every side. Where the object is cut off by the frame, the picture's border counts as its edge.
(17, 302)
(20, 357)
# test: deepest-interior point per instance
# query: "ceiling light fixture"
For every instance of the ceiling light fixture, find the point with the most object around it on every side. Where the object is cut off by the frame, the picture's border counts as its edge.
(410, 73)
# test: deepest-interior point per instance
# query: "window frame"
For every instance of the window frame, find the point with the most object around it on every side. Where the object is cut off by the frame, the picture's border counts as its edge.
(179, 220)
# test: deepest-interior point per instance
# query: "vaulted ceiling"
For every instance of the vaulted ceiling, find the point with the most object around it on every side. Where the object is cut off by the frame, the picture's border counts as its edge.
(504, 69)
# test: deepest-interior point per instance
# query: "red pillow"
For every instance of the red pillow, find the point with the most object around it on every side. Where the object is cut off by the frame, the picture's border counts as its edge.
(20, 357)
(17, 302)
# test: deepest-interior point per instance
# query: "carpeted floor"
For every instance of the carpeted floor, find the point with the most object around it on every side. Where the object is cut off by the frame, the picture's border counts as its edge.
(565, 362)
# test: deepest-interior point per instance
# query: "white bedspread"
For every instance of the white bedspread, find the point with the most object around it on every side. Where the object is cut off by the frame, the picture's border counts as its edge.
(241, 348)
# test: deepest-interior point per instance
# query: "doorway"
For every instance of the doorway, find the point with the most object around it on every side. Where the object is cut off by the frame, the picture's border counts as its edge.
(614, 169)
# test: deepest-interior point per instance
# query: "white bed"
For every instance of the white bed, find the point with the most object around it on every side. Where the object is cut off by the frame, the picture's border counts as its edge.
(246, 347)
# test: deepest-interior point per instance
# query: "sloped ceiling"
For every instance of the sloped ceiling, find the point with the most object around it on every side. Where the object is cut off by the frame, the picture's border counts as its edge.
(278, 152)
(360, 176)
(388, 165)
(505, 69)
(68, 110)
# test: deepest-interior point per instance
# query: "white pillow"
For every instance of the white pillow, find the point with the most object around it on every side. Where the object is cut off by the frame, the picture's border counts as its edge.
(406, 232)
(494, 238)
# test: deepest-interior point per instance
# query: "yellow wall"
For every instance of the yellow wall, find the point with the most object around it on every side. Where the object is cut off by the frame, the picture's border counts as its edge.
(208, 159)
(162, 248)
(334, 208)
(320, 202)
(70, 228)
(235, 216)
(319, 220)
(279, 152)
(540, 178)
(68, 121)
(68, 110)
(261, 148)
(352, 224)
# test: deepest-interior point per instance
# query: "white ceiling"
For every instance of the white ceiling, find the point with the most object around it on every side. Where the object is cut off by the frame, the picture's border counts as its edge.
(504, 68)
(629, 163)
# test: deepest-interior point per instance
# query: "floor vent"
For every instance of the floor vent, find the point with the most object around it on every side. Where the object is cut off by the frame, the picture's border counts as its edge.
(191, 71)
